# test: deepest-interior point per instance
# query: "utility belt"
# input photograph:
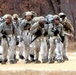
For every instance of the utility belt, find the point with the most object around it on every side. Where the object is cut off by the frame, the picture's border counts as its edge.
(57, 39)
(26, 32)
(10, 37)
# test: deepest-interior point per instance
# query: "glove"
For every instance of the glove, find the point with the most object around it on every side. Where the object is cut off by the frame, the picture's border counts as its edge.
(62, 39)
(17, 42)
(21, 39)
(56, 32)
(46, 33)
(38, 33)
(4, 36)
(27, 25)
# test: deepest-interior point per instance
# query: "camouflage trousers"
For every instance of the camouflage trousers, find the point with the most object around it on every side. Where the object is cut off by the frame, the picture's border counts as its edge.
(65, 45)
(8, 48)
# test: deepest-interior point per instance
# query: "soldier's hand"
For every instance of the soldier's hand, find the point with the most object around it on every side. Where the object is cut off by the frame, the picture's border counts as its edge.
(38, 28)
(4, 36)
(71, 35)
(56, 32)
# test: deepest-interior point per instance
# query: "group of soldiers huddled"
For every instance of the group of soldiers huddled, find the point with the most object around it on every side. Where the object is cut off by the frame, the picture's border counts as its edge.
(36, 37)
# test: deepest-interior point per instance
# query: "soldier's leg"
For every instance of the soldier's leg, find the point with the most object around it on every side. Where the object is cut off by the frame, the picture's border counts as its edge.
(4, 44)
(65, 48)
(43, 50)
(12, 44)
(36, 51)
(51, 50)
(61, 50)
(58, 51)
(21, 50)
(27, 49)
(32, 48)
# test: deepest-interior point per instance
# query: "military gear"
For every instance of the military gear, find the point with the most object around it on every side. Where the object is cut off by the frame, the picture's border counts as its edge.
(9, 41)
(3, 62)
(49, 19)
(55, 17)
(15, 16)
(21, 56)
(37, 19)
(6, 16)
(67, 25)
(8, 29)
(28, 13)
(34, 14)
(9, 16)
(59, 61)
(65, 58)
(4, 34)
(62, 14)
(12, 62)
(68, 29)
(56, 32)
(51, 61)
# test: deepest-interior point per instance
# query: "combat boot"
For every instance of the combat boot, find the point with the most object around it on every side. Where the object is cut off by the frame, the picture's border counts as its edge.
(21, 57)
(13, 61)
(27, 61)
(65, 58)
(51, 61)
(32, 58)
(3, 62)
(37, 61)
(60, 61)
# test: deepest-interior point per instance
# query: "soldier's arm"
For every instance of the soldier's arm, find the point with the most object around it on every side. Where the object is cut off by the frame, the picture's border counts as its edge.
(33, 28)
(21, 27)
(1, 29)
(50, 32)
(70, 26)
(62, 31)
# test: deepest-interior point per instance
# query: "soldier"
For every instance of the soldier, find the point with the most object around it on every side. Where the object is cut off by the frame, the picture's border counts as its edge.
(55, 32)
(44, 42)
(32, 19)
(8, 40)
(68, 31)
(25, 32)
(38, 31)
(16, 22)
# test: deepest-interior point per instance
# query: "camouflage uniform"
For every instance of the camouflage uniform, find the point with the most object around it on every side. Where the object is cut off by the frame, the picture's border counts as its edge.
(8, 41)
(17, 23)
(55, 42)
(36, 42)
(25, 33)
(41, 41)
(68, 29)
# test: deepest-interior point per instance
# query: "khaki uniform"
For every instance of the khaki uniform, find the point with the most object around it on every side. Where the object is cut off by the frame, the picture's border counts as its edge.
(68, 28)
(40, 43)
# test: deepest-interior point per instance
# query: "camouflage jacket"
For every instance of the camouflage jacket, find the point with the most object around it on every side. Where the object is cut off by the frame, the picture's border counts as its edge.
(67, 26)
(53, 27)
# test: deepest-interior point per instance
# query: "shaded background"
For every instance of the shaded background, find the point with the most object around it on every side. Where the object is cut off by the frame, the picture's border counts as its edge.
(41, 7)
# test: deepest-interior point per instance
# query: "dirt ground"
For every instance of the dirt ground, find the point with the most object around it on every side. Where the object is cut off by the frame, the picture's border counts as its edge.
(72, 46)
(66, 68)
